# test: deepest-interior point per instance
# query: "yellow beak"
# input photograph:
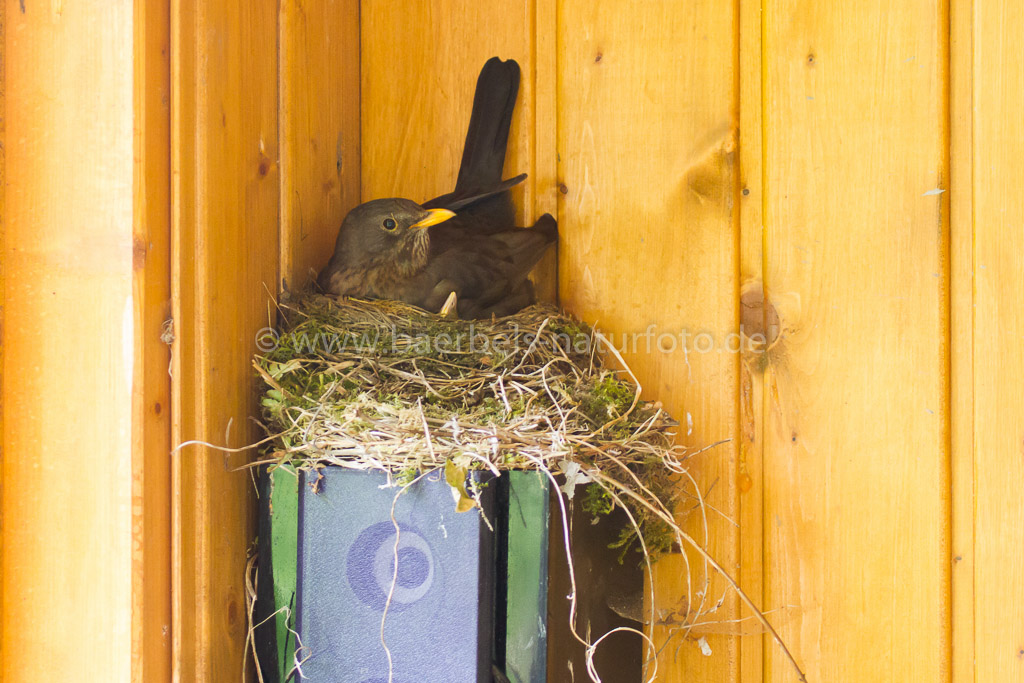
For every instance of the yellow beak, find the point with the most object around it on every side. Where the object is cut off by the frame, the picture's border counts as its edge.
(434, 216)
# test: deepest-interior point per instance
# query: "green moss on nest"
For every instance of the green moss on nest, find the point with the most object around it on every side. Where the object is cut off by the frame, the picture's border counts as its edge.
(606, 399)
(597, 501)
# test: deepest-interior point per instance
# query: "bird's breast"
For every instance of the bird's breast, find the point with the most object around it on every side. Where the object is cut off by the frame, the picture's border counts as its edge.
(379, 282)
(348, 282)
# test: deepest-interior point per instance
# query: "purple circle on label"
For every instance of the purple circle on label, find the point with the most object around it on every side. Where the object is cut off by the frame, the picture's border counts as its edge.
(370, 566)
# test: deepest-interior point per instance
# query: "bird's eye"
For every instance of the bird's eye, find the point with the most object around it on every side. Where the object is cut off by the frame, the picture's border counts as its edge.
(390, 224)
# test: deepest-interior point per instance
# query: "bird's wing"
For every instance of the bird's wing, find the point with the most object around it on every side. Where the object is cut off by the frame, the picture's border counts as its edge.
(487, 272)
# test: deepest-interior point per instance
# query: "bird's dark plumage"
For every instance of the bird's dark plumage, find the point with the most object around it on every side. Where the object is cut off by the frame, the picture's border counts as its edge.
(397, 249)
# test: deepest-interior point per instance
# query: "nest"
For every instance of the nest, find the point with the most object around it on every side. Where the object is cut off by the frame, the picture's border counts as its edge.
(386, 386)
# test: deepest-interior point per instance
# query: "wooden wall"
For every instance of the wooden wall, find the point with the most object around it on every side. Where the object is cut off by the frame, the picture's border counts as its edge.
(988, 392)
(856, 449)
(225, 246)
(841, 178)
(151, 385)
(69, 335)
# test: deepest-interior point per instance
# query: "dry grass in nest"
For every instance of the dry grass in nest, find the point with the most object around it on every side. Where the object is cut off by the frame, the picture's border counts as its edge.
(384, 385)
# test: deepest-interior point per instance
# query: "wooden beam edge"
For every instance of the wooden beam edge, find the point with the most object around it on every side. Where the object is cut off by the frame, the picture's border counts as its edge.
(961, 322)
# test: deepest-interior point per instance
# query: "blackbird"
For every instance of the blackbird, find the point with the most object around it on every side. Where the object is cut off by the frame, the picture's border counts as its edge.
(465, 242)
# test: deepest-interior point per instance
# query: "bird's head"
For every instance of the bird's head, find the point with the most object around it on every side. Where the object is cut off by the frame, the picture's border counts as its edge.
(388, 233)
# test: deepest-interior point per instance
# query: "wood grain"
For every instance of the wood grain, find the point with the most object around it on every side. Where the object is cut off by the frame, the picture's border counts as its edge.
(68, 343)
(544, 76)
(998, 230)
(319, 110)
(961, 323)
(151, 382)
(225, 259)
(3, 289)
(755, 324)
(857, 421)
(647, 119)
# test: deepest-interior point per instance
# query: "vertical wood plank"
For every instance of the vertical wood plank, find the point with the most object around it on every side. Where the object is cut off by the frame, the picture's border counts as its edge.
(68, 343)
(998, 171)
(961, 215)
(647, 118)
(225, 257)
(319, 90)
(151, 408)
(545, 138)
(857, 422)
(3, 289)
(755, 332)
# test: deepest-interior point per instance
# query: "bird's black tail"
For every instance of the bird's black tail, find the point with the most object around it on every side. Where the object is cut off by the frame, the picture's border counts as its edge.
(483, 157)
